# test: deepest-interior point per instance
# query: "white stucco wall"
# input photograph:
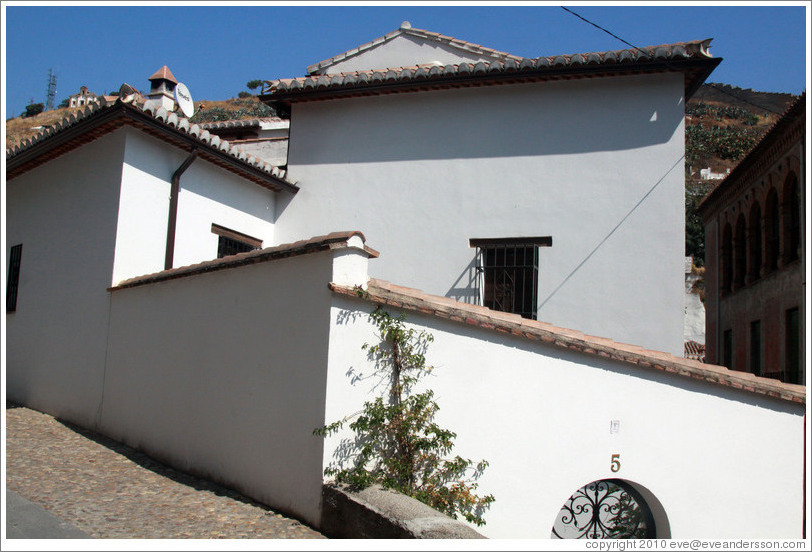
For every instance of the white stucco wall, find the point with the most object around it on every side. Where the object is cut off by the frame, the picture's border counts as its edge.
(208, 194)
(722, 463)
(64, 214)
(404, 51)
(596, 164)
(222, 374)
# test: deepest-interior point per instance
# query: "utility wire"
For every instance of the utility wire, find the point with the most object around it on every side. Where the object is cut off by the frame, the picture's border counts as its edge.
(668, 65)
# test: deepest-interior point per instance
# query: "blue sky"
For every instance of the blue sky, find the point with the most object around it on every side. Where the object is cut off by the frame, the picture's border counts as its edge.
(215, 50)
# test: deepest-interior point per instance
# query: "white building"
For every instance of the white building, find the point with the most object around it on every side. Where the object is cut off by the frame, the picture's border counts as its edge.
(121, 318)
(568, 166)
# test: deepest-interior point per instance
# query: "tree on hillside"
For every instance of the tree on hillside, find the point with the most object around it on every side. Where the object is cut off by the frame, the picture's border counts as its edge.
(32, 109)
(254, 84)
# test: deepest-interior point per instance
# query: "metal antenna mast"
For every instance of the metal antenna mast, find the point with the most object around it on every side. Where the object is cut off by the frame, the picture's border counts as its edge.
(51, 95)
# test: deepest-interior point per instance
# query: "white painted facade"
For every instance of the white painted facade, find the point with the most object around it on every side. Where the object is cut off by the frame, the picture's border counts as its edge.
(88, 220)
(711, 461)
(596, 164)
(403, 51)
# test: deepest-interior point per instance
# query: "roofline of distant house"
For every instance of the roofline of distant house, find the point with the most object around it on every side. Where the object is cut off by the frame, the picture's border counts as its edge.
(385, 293)
(787, 129)
(96, 121)
(407, 29)
(690, 59)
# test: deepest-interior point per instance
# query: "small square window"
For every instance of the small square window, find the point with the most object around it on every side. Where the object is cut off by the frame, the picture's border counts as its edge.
(231, 242)
(509, 270)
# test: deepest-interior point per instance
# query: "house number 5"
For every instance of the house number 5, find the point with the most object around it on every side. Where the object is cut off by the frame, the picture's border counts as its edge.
(615, 463)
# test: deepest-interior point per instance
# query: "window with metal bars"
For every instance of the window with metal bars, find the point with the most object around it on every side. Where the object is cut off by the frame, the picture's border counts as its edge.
(231, 242)
(13, 277)
(509, 273)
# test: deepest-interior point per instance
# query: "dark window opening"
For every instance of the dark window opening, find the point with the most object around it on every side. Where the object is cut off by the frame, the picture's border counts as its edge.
(755, 242)
(727, 258)
(231, 242)
(793, 346)
(727, 349)
(792, 219)
(740, 252)
(771, 227)
(510, 272)
(13, 277)
(755, 347)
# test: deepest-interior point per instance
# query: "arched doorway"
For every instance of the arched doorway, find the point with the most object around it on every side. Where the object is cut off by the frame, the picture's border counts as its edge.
(610, 509)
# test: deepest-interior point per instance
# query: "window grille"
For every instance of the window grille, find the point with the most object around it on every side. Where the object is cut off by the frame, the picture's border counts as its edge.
(509, 273)
(231, 242)
(229, 246)
(13, 277)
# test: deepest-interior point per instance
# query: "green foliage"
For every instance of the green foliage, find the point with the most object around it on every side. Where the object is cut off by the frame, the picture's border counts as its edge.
(64, 103)
(32, 109)
(253, 84)
(244, 94)
(247, 108)
(722, 142)
(694, 227)
(397, 443)
(628, 521)
(720, 113)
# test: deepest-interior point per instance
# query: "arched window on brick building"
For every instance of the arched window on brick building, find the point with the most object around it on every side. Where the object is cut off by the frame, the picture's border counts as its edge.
(791, 216)
(727, 258)
(740, 252)
(754, 241)
(771, 228)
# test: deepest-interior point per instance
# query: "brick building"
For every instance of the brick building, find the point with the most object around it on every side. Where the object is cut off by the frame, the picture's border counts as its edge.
(755, 256)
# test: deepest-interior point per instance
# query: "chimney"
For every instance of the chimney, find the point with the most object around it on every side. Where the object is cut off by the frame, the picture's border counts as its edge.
(162, 89)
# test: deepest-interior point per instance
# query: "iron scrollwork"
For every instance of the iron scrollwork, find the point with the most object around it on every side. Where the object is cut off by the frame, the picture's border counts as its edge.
(606, 509)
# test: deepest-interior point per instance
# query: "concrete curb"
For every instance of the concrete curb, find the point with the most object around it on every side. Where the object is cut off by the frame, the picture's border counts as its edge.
(378, 513)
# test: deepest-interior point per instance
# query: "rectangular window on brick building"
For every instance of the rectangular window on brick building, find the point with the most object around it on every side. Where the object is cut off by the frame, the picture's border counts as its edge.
(509, 272)
(231, 242)
(727, 349)
(13, 277)
(755, 347)
(793, 373)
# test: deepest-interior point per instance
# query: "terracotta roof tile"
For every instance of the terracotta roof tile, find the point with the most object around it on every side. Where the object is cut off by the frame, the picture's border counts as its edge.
(95, 120)
(164, 73)
(385, 293)
(334, 240)
(693, 58)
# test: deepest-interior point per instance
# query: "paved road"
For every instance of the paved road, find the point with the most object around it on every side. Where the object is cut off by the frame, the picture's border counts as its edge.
(65, 482)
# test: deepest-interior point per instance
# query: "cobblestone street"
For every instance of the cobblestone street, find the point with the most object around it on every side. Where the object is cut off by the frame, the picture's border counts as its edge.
(109, 490)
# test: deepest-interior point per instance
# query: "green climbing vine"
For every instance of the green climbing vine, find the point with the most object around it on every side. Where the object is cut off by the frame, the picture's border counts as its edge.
(397, 443)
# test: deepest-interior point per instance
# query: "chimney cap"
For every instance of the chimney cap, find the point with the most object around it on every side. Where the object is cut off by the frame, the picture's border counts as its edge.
(165, 74)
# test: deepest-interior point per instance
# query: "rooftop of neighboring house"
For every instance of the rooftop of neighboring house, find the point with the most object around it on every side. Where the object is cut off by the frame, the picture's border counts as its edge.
(692, 59)
(407, 30)
(130, 109)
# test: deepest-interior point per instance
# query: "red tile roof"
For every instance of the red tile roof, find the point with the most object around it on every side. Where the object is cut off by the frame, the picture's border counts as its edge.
(334, 240)
(690, 58)
(399, 297)
(97, 120)
(164, 73)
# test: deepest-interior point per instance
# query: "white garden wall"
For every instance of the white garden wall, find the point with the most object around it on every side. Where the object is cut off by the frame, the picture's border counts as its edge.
(722, 463)
(594, 163)
(64, 214)
(222, 374)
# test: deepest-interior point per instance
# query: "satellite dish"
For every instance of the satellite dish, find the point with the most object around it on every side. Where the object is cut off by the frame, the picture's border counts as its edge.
(184, 99)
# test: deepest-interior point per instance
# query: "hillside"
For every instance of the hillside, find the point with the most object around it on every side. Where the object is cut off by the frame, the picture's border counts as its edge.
(722, 124)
